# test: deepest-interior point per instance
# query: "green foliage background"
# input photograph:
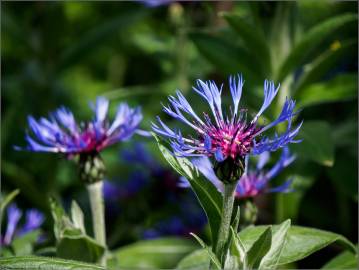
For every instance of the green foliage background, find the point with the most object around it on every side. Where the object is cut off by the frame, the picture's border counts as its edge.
(56, 53)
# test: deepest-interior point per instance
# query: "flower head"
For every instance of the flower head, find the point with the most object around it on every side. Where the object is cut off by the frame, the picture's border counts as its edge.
(33, 221)
(61, 134)
(225, 135)
(254, 181)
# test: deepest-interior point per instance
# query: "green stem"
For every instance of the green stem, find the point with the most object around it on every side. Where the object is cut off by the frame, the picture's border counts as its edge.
(228, 200)
(98, 214)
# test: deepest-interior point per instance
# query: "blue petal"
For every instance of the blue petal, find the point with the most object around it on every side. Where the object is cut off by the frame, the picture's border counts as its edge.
(269, 94)
(183, 182)
(34, 220)
(218, 155)
(285, 115)
(208, 143)
(278, 141)
(204, 165)
(13, 215)
(101, 109)
(236, 90)
(262, 160)
(284, 161)
(283, 188)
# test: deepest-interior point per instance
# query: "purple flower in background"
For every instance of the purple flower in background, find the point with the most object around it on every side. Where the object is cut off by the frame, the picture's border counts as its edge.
(155, 3)
(254, 181)
(225, 135)
(33, 221)
(61, 134)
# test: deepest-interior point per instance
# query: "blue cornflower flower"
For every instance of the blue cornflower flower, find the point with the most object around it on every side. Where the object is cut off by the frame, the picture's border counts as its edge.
(226, 135)
(33, 221)
(254, 181)
(61, 134)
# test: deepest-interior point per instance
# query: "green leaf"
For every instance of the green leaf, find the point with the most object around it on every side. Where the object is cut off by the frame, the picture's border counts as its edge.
(259, 248)
(207, 194)
(75, 245)
(238, 250)
(157, 253)
(77, 216)
(226, 57)
(211, 254)
(311, 40)
(72, 242)
(253, 39)
(301, 241)
(270, 260)
(341, 87)
(317, 144)
(23, 245)
(315, 70)
(33, 262)
(98, 36)
(345, 260)
(197, 260)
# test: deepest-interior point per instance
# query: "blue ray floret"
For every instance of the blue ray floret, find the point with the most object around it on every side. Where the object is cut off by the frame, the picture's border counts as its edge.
(225, 135)
(33, 221)
(61, 134)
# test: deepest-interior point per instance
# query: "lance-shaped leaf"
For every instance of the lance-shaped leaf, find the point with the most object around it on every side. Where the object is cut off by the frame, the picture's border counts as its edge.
(259, 248)
(33, 262)
(253, 39)
(207, 194)
(271, 259)
(211, 254)
(300, 243)
(312, 38)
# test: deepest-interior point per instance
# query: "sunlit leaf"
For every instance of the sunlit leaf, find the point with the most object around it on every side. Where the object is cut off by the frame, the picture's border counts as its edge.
(160, 253)
(301, 241)
(340, 88)
(33, 262)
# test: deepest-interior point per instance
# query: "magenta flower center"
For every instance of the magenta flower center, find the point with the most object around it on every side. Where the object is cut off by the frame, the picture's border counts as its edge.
(234, 139)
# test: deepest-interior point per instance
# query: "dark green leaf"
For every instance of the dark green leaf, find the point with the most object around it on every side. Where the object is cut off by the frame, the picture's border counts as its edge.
(325, 62)
(253, 39)
(317, 144)
(259, 248)
(270, 260)
(226, 57)
(312, 38)
(35, 263)
(341, 87)
(345, 260)
(158, 253)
